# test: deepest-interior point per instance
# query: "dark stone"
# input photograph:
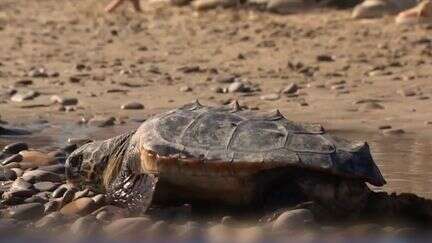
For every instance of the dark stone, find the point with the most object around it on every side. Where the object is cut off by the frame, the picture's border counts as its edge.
(13, 131)
(7, 175)
(26, 211)
(45, 186)
(15, 148)
(57, 168)
(41, 175)
(13, 158)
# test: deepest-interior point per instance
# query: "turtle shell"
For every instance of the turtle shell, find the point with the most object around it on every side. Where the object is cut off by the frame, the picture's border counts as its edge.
(228, 136)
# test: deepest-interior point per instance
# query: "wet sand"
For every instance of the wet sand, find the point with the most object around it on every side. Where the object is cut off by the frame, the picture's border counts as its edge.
(353, 76)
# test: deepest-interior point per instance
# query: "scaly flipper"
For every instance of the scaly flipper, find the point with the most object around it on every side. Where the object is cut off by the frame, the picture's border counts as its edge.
(134, 193)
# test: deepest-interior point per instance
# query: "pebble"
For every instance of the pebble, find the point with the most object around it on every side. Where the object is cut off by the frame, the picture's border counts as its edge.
(101, 121)
(15, 148)
(23, 82)
(185, 89)
(406, 92)
(11, 159)
(393, 131)
(383, 127)
(270, 97)
(45, 186)
(132, 106)
(236, 87)
(23, 96)
(125, 226)
(81, 206)
(50, 220)
(371, 106)
(210, 4)
(66, 101)
(283, 6)
(325, 58)
(20, 184)
(81, 194)
(41, 175)
(37, 158)
(290, 89)
(85, 226)
(7, 174)
(293, 219)
(51, 206)
(26, 211)
(56, 168)
(112, 212)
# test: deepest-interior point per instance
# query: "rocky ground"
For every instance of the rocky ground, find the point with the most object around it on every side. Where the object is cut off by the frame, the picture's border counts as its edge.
(64, 62)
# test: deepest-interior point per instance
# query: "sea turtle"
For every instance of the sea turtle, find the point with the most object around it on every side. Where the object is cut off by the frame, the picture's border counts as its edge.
(226, 155)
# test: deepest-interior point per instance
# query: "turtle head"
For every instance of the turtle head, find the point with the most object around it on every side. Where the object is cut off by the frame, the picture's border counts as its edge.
(96, 164)
(85, 166)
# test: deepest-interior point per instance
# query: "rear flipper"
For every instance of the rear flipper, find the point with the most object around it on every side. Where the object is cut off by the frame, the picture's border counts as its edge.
(135, 192)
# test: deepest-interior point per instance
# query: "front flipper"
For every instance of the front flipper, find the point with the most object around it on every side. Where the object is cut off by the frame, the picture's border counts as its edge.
(135, 192)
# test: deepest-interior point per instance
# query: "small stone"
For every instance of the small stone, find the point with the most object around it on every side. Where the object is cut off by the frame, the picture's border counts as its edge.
(127, 226)
(50, 220)
(81, 194)
(393, 131)
(20, 184)
(20, 194)
(45, 186)
(132, 106)
(23, 96)
(406, 92)
(7, 174)
(236, 87)
(23, 82)
(100, 121)
(56, 168)
(224, 78)
(112, 212)
(185, 89)
(26, 211)
(12, 159)
(293, 219)
(325, 58)
(51, 206)
(290, 89)
(81, 206)
(65, 101)
(371, 106)
(37, 158)
(38, 73)
(85, 226)
(383, 127)
(15, 148)
(41, 175)
(270, 97)
(284, 6)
